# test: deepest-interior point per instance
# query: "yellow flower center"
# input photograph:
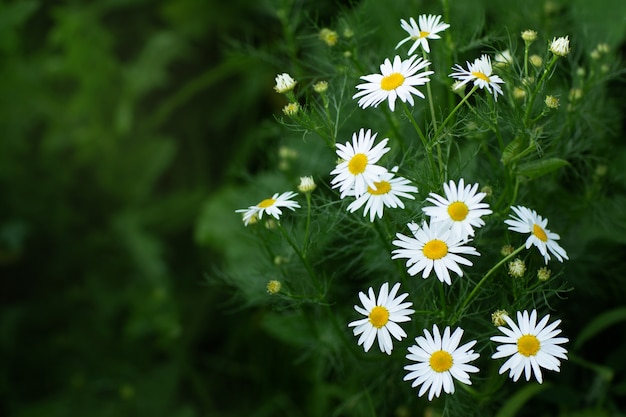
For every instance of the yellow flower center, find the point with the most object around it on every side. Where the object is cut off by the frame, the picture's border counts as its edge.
(540, 233)
(268, 202)
(357, 164)
(424, 34)
(440, 361)
(392, 81)
(435, 249)
(528, 345)
(458, 211)
(382, 187)
(481, 75)
(379, 316)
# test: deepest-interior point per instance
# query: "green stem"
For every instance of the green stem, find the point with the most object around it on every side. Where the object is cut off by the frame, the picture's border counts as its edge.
(538, 88)
(452, 113)
(427, 147)
(472, 294)
(308, 223)
(301, 255)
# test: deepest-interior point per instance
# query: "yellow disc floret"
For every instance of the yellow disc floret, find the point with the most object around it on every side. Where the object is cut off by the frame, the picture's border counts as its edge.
(458, 211)
(392, 81)
(540, 233)
(528, 345)
(268, 202)
(435, 249)
(357, 164)
(379, 316)
(382, 187)
(440, 361)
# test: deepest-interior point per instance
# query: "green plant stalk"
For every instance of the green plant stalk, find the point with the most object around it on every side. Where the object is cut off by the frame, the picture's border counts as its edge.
(433, 118)
(308, 223)
(427, 148)
(453, 112)
(539, 87)
(472, 294)
(301, 255)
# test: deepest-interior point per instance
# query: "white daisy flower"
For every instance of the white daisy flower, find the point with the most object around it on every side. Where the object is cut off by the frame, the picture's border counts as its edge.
(461, 209)
(439, 360)
(530, 345)
(357, 171)
(528, 221)
(560, 46)
(433, 247)
(395, 80)
(382, 317)
(481, 73)
(284, 83)
(387, 193)
(428, 28)
(269, 206)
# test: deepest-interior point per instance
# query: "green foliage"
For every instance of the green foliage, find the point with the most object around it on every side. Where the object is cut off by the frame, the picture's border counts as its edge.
(130, 131)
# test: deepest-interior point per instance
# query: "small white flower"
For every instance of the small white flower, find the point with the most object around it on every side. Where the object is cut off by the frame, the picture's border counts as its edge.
(428, 28)
(440, 360)
(528, 221)
(530, 345)
(503, 57)
(284, 83)
(481, 73)
(382, 317)
(387, 193)
(357, 169)
(433, 247)
(269, 206)
(461, 209)
(306, 185)
(560, 46)
(397, 80)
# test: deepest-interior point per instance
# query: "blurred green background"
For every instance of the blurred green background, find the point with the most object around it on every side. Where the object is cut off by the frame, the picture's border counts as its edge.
(120, 121)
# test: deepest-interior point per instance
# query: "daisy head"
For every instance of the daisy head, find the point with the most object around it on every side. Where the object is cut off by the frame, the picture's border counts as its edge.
(387, 193)
(270, 206)
(461, 209)
(357, 169)
(396, 80)
(528, 221)
(481, 73)
(284, 83)
(382, 316)
(428, 28)
(439, 360)
(530, 345)
(560, 46)
(432, 247)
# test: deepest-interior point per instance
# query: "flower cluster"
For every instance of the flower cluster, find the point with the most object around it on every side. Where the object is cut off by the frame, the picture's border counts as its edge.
(445, 227)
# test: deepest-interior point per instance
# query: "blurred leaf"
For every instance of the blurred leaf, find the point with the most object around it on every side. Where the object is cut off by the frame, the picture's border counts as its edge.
(535, 169)
(517, 401)
(601, 21)
(13, 15)
(512, 150)
(599, 324)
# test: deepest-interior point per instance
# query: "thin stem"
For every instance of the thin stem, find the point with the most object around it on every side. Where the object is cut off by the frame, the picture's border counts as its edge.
(301, 255)
(533, 96)
(427, 147)
(484, 279)
(458, 106)
(308, 223)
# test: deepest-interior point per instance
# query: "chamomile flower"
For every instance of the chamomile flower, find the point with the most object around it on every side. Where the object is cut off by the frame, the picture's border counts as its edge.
(560, 46)
(461, 209)
(440, 360)
(284, 83)
(433, 247)
(530, 345)
(387, 193)
(428, 28)
(382, 317)
(396, 80)
(481, 73)
(270, 206)
(357, 171)
(528, 221)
